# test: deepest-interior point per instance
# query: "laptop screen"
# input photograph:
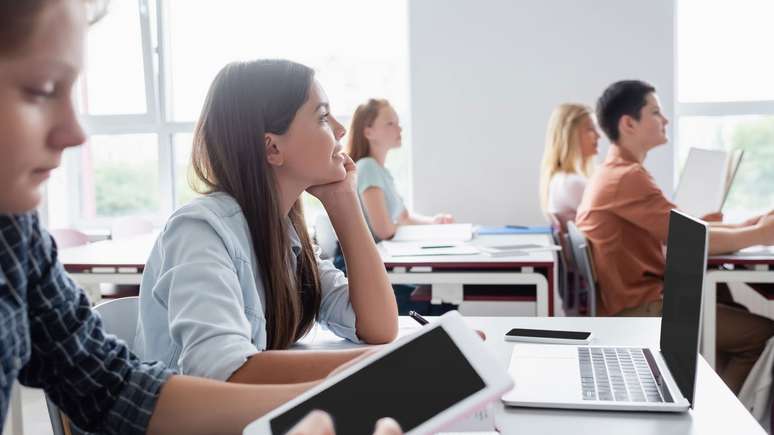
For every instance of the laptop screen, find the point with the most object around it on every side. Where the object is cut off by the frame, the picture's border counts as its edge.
(686, 263)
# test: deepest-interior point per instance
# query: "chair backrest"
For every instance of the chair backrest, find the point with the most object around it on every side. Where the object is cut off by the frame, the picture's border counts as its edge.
(123, 228)
(68, 237)
(584, 265)
(325, 236)
(119, 317)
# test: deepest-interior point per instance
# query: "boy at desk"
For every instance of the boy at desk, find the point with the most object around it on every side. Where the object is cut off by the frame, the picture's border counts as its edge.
(49, 336)
(625, 217)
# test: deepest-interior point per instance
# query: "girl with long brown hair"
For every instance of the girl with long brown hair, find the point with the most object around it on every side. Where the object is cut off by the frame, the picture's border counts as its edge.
(51, 339)
(233, 279)
(375, 131)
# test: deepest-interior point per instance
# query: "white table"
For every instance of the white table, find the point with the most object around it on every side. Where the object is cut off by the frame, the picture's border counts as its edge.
(756, 266)
(716, 410)
(448, 273)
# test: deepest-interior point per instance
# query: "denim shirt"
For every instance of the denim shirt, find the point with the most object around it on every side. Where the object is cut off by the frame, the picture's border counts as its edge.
(202, 297)
(51, 339)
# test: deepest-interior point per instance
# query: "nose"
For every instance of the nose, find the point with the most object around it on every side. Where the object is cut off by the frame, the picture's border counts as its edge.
(68, 132)
(338, 130)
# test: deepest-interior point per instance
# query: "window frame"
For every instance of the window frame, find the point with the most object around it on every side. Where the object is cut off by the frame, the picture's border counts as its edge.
(158, 120)
(704, 109)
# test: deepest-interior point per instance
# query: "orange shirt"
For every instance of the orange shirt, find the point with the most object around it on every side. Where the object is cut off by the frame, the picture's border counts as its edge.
(625, 217)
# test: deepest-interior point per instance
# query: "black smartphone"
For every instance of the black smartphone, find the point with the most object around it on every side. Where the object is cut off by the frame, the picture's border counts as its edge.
(548, 336)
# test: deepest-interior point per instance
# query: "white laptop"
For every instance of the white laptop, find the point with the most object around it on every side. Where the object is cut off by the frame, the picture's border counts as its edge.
(627, 378)
(426, 381)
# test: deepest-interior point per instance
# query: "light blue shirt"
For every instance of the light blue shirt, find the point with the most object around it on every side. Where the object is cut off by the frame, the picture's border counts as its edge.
(202, 297)
(371, 174)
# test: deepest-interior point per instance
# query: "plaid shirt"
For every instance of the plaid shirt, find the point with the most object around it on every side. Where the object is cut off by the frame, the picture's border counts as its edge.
(50, 339)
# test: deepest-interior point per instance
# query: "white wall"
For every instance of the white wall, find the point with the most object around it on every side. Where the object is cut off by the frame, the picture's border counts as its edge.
(485, 75)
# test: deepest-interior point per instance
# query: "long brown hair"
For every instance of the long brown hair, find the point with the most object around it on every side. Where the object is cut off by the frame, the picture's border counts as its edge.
(358, 145)
(245, 101)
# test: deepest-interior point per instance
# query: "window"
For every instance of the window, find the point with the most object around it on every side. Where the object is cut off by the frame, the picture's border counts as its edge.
(725, 89)
(140, 107)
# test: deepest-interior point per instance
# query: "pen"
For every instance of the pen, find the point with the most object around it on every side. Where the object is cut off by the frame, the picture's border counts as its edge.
(421, 320)
(437, 246)
(517, 227)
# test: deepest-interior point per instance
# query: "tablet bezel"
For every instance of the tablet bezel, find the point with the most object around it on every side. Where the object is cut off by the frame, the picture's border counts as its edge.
(496, 379)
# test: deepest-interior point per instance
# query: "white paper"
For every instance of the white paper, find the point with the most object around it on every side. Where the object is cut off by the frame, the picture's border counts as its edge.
(423, 249)
(447, 232)
(703, 182)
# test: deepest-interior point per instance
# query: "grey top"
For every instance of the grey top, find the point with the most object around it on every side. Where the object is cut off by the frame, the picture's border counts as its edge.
(371, 174)
(202, 297)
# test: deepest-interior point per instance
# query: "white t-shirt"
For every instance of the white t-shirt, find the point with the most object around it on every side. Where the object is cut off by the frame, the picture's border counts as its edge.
(565, 192)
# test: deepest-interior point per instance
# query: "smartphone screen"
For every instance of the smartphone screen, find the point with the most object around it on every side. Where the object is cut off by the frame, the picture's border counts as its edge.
(410, 384)
(543, 333)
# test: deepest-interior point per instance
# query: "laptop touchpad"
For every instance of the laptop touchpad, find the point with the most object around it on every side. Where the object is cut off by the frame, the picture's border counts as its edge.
(548, 372)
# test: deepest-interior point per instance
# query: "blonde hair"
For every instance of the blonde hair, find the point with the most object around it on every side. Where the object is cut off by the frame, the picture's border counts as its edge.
(562, 152)
(358, 145)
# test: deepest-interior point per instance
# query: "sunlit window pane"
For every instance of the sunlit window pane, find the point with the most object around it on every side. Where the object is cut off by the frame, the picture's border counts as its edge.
(114, 78)
(184, 174)
(120, 176)
(358, 48)
(753, 189)
(724, 50)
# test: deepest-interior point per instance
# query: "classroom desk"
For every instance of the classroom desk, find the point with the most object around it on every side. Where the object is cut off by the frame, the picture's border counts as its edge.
(118, 262)
(448, 273)
(754, 265)
(123, 261)
(716, 410)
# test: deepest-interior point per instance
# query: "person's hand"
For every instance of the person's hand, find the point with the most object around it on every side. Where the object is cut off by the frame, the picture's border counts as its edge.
(713, 217)
(315, 423)
(754, 220)
(321, 423)
(766, 228)
(347, 186)
(443, 218)
(387, 426)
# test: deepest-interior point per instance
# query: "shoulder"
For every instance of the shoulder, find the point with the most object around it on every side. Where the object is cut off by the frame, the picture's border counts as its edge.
(216, 215)
(368, 164)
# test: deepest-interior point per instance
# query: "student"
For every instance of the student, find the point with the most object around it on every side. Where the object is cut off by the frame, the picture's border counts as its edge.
(49, 337)
(625, 217)
(233, 279)
(375, 131)
(571, 144)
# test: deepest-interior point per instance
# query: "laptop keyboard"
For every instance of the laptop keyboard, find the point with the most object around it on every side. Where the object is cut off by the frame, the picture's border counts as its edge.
(620, 375)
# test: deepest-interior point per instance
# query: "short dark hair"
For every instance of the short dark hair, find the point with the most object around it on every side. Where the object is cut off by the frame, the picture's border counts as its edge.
(17, 20)
(625, 97)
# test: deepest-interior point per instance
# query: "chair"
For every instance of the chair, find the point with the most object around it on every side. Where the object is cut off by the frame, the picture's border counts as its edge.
(584, 265)
(119, 318)
(568, 280)
(68, 238)
(124, 228)
(325, 236)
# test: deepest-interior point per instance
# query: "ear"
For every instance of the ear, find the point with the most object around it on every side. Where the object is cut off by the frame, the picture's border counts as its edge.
(368, 132)
(627, 124)
(274, 154)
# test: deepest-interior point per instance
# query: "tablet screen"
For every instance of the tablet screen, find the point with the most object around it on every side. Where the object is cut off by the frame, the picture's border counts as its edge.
(411, 384)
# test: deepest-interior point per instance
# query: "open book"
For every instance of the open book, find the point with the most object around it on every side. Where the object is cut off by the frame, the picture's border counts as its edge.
(706, 180)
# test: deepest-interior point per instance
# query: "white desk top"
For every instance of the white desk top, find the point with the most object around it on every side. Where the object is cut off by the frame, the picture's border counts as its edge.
(531, 258)
(130, 253)
(716, 410)
(751, 255)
